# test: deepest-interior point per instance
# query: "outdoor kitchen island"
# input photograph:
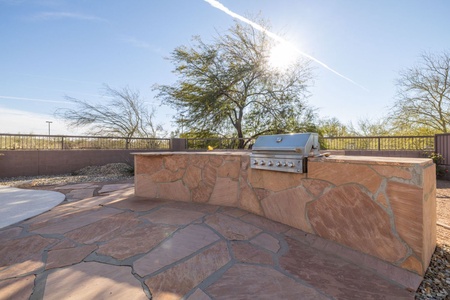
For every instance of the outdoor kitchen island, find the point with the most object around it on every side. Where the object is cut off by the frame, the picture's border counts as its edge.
(379, 206)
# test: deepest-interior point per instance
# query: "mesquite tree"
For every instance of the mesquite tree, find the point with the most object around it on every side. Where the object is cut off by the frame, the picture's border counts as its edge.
(228, 87)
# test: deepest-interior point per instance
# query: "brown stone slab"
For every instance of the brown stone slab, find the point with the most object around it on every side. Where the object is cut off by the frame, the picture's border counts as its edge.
(136, 241)
(79, 194)
(172, 216)
(225, 192)
(17, 288)
(406, 203)
(374, 160)
(108, 188)
(288, 207)
(22, 256)
(174, 191)
(69, 256)
(105, 229)
(9, 234)
(199, 295)
(93, 280)
(73, 221)
(140, 204)
(256, 282)
(192, 177)
(147, 165)
(234, 212)
(265, 223)
(339, 174)
(336, 277)
(203, 208)
(183, 243)
(348, 216)
(247, 253)
(249, 201)
(267, 242)
(175, 282)
(231, 228)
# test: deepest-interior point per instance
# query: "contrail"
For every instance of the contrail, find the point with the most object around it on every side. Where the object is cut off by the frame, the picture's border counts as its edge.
(33, 99)
(221, 7)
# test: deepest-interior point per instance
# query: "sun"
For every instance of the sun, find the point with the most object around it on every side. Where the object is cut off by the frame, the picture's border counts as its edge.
(283, 55)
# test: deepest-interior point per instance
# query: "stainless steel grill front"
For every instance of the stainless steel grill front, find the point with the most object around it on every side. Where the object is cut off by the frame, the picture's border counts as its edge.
(284, 152)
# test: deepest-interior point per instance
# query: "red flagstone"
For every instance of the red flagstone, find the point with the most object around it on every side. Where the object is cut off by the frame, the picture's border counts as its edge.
(69, 256)
(231, 228)
(172, 216)
(17, 288)
(93, 280)
(182, 244)
(256, 282)
(136, 241)
(175, 282)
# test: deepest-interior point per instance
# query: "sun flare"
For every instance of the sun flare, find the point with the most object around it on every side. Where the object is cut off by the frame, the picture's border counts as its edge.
(283, 55)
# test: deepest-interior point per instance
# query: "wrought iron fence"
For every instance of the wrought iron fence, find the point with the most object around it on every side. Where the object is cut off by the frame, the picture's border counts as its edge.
(63, 142)
(219, 143)
(379, 143)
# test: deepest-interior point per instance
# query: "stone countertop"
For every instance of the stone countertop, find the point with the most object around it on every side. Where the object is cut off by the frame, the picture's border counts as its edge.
(371, 160)
(374, 160)
(236, 153)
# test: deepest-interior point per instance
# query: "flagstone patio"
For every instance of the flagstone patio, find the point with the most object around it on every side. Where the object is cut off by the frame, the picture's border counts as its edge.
(105, 243)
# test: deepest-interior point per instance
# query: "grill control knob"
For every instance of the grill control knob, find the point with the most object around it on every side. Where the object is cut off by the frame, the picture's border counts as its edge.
(278, 164)
(291, 165)
(255, 162)
(285, 164)
(262, 163)
(270, 163)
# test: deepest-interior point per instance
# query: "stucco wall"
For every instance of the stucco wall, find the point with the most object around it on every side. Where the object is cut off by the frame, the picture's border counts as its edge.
(53, 162)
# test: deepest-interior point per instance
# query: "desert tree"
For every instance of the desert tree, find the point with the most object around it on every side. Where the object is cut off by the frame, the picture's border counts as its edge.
(228, 86)
(123, 114)
(423, 95)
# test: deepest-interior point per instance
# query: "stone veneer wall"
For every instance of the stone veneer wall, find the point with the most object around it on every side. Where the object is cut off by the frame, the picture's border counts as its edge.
(384, 207)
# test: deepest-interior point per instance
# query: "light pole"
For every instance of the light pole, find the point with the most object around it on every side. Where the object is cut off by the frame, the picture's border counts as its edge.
(49, 122)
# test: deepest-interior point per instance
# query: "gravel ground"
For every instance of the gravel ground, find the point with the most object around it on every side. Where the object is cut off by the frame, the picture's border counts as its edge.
(436, 283)
(109, 172)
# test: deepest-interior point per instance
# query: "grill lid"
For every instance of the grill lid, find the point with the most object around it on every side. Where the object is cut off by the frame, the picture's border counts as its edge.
(294, 143)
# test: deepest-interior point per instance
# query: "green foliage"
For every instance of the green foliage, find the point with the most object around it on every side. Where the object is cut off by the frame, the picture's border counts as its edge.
(229, 89)
(438, 159)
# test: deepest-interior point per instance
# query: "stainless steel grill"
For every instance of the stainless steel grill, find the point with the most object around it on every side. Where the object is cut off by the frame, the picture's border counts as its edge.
(284, 152)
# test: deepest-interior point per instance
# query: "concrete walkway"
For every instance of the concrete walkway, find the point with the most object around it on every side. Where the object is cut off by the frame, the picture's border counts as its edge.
(19, 204)
(104, 243)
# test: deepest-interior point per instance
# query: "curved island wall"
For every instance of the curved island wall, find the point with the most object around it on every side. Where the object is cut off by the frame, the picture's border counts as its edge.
(383, 207)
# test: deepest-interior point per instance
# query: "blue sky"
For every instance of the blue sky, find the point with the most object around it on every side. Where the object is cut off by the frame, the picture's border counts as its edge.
(53, 48)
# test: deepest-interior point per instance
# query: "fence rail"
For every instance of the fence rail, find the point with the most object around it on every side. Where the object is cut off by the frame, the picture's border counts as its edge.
(66, 142)
(62, 142)
(379, 143)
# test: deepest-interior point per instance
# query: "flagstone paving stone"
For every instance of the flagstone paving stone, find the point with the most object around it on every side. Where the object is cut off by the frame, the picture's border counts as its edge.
(119, 246)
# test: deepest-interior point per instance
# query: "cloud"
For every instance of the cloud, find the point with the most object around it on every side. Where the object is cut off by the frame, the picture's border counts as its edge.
(33, 99)
(220, 6)
(25, 122)
(46, 16)
(140, 44)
